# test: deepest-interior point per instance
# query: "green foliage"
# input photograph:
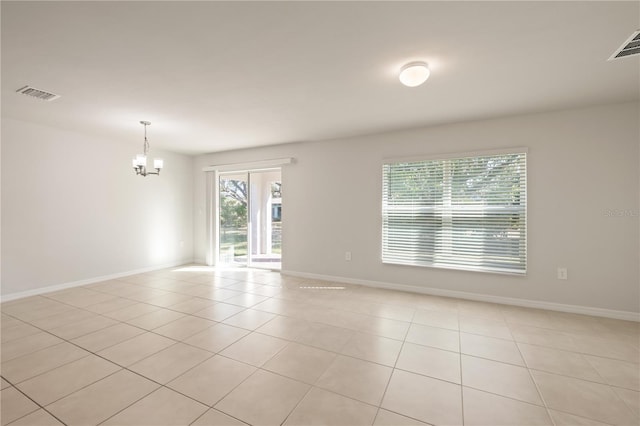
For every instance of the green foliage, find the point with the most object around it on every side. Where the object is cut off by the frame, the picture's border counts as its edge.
(491, 180)
(415, 183)
(233, 214)
(233, 204)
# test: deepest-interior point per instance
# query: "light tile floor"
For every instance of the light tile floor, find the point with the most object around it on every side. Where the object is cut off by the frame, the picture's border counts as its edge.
(198, 346)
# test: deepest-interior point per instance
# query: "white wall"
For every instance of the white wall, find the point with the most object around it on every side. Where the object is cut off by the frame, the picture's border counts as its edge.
(73, 208)
(582, 164)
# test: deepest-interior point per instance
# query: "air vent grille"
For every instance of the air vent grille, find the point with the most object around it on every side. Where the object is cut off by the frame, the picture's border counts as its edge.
(630, 47)
(37, 93)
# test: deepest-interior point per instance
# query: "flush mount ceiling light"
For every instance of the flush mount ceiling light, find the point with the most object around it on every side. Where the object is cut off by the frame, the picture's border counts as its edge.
(414, 74)
(140, 161)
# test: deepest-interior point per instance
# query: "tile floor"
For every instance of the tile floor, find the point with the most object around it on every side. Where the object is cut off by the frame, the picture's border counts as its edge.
(195, 346)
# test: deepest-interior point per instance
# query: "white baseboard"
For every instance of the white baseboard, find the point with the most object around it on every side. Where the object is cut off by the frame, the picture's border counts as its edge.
(538, 304)
(63, 286)
(576, 309)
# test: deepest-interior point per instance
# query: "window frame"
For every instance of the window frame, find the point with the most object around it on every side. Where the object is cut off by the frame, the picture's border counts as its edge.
(460, 156)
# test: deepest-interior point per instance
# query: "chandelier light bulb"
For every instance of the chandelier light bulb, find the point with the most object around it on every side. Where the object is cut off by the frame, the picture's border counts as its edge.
(414, 74)
(141, 160)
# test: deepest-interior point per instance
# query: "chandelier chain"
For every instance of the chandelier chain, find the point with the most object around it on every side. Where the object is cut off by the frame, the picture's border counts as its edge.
(146, 141)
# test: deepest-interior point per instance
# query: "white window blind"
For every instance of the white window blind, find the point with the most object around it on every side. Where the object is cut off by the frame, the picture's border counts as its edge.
(462, 213)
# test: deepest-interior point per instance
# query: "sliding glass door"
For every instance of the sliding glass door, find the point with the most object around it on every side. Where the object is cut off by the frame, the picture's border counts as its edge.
(233, 213)
(250, 212)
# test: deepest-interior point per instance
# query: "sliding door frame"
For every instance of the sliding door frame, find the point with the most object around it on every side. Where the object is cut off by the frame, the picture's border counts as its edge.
(212, 174)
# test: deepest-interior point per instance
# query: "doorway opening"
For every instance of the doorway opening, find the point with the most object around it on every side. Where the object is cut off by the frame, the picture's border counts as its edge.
(250, 219)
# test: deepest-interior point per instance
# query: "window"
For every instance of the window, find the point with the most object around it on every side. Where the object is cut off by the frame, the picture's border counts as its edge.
(467, 212)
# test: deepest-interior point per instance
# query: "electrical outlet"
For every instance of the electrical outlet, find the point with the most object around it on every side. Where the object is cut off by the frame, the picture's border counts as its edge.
(347, 256)
(562, 273)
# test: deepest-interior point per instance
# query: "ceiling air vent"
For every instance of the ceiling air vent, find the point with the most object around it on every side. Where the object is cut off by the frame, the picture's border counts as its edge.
(37, 93)
(629, 47)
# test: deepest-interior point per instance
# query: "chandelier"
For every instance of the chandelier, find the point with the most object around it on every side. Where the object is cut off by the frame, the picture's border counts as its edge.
(140, 160)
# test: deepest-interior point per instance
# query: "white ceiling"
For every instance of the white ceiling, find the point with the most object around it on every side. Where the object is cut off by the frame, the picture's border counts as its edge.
(215, 76)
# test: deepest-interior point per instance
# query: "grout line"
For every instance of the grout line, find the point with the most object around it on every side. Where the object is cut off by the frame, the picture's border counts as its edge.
(395, 364)
(122, 368)
(311, 387)
(460, 361)
(134, 402)
(32, 400)
(542, 398)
